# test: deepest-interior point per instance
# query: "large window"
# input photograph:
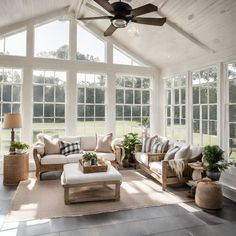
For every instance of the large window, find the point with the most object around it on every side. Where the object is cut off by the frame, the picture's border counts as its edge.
(14, 44)
(175, 109)
(132, 103)
(49, 102)
(90, 103)
(232, 111)
(205, 107)
(120, 57)
(10, 100)
(52, 40)
(89, 47)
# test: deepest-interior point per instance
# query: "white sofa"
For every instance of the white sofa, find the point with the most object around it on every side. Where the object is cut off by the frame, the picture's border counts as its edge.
(54, 161)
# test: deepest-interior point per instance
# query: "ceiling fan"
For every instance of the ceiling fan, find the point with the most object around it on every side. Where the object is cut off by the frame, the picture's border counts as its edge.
(123, 13)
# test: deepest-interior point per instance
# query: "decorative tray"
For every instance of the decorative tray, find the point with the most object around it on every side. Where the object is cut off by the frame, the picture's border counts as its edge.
(100, 167)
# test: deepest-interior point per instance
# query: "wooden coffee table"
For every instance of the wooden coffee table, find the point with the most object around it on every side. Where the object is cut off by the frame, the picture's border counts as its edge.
(73, 177)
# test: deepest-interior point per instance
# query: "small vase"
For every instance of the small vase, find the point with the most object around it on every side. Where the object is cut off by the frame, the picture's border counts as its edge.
(214, 176)
(19, 151)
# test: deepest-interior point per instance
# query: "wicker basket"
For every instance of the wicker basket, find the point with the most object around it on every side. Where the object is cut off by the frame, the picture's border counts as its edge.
(16, 168)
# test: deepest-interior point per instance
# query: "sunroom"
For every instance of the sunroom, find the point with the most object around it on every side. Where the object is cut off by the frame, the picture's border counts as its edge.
(66, 79)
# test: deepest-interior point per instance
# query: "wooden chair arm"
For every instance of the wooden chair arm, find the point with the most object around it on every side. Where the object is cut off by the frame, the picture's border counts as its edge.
(155, 156)
(138, 147)
(37, 158)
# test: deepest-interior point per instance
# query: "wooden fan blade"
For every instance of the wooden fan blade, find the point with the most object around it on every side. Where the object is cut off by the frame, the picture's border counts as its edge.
(110, 30)
(149, 21)
(94, 18)
(144, 9)
(105, 4)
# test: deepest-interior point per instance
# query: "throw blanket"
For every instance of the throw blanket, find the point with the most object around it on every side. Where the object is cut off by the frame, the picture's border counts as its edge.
(177, 166)
(121, 155)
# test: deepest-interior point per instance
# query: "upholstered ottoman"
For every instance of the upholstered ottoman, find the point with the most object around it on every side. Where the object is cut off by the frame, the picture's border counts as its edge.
(73, 177)
(209, 195)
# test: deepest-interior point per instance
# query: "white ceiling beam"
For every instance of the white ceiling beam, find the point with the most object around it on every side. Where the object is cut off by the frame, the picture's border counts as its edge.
(184, 33)
(34, 20)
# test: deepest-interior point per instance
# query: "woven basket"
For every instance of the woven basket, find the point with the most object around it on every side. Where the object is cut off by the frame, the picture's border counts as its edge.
(16, 168)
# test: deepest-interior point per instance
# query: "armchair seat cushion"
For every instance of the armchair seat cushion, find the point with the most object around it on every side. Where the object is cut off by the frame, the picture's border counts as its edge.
(156, 166)
(142, 157)
(74, 157)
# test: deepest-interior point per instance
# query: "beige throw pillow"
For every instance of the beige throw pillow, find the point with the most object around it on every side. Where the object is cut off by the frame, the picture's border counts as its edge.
(51, 145)
(104, 143)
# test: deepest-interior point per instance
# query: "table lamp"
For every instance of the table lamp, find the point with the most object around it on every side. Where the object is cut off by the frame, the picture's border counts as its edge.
(11, 121)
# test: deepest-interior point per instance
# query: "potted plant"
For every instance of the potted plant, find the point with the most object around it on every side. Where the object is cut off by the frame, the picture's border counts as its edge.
(129, 142)
(20, 147)
(89, 158)
(214, 161)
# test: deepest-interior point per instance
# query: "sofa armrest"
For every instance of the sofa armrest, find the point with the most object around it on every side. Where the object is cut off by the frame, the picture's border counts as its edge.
(155, 157)
(37, 158)
(138, 147)
(119, 153)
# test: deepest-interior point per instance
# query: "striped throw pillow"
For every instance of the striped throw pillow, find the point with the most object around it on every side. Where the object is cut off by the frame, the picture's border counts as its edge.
(155, 147)
(147, 143)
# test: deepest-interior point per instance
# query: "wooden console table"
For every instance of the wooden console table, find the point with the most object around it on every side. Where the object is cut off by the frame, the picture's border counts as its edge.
(15, 168)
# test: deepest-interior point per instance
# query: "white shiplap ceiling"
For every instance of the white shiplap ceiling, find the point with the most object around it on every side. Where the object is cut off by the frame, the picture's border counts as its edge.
(211, 23)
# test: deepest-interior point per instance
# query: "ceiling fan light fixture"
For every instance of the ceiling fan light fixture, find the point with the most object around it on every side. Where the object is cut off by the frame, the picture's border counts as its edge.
(119, 22)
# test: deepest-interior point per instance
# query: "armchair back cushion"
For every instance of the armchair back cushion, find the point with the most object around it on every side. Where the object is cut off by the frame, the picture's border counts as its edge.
(88, 143)
(147, 143)
(51, 145)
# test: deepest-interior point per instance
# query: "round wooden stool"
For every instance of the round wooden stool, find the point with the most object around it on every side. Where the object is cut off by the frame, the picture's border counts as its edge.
(209, 195)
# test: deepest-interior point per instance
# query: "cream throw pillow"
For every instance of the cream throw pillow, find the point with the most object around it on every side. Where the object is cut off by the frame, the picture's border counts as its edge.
(51, 145)
(104, 143)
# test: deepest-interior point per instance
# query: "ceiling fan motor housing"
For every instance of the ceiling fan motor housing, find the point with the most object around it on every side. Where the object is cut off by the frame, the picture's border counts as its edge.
(121, 11)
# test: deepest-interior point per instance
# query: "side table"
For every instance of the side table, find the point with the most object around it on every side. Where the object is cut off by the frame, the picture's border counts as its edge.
(15, 168)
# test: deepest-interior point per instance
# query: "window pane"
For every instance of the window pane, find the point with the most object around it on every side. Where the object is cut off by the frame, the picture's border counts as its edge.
(137, 82)
(127, 110)
(205, 112)
(16, 93)
(146, 97)
(137, 97)
(100, 111)
(204, 95)
(89, 109)
(195, 95)
(119, 111)
(80, 95)
(183, 96)
(60, 110)
(232, 113)
(232, 89)
(146, 110)
(7, 93)
(90, 95)
(100, 96)
(15, 44)
(196, 112)
(60, 94)
(176, 96)
(136, 111)
(52, 40)
(119, 96)
(212, 95)
(38, 110)
(213, 112)
(146, 84)
(38, 93)
(49, 94)
(48, 110)
(80, 110)
(129, 96)
(89, 47)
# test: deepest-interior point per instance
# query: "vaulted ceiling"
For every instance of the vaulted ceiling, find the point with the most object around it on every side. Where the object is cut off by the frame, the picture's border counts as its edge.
(194, 28)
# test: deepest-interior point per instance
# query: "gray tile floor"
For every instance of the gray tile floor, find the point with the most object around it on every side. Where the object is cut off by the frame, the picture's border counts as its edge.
(178, 220)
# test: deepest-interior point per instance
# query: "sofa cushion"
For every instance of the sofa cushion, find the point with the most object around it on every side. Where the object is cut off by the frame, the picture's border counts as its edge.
(183, 153)
(74, 157)
(109, 156)
(147, 143)
(195, 151)
(142, 157)
(88, 143)
(70, 139)
(54, 159)
(104, 143)
(69, 148)
(170, 155)
(156, 166)
(51, 145)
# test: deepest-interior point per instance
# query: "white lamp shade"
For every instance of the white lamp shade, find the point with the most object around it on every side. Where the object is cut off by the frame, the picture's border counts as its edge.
(12, 120)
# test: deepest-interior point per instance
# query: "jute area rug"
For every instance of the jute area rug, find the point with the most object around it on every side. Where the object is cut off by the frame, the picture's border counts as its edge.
(45, 199)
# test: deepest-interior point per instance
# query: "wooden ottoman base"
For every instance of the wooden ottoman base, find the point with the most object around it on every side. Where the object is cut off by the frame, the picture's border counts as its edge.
(209, 195)
(88, 197)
